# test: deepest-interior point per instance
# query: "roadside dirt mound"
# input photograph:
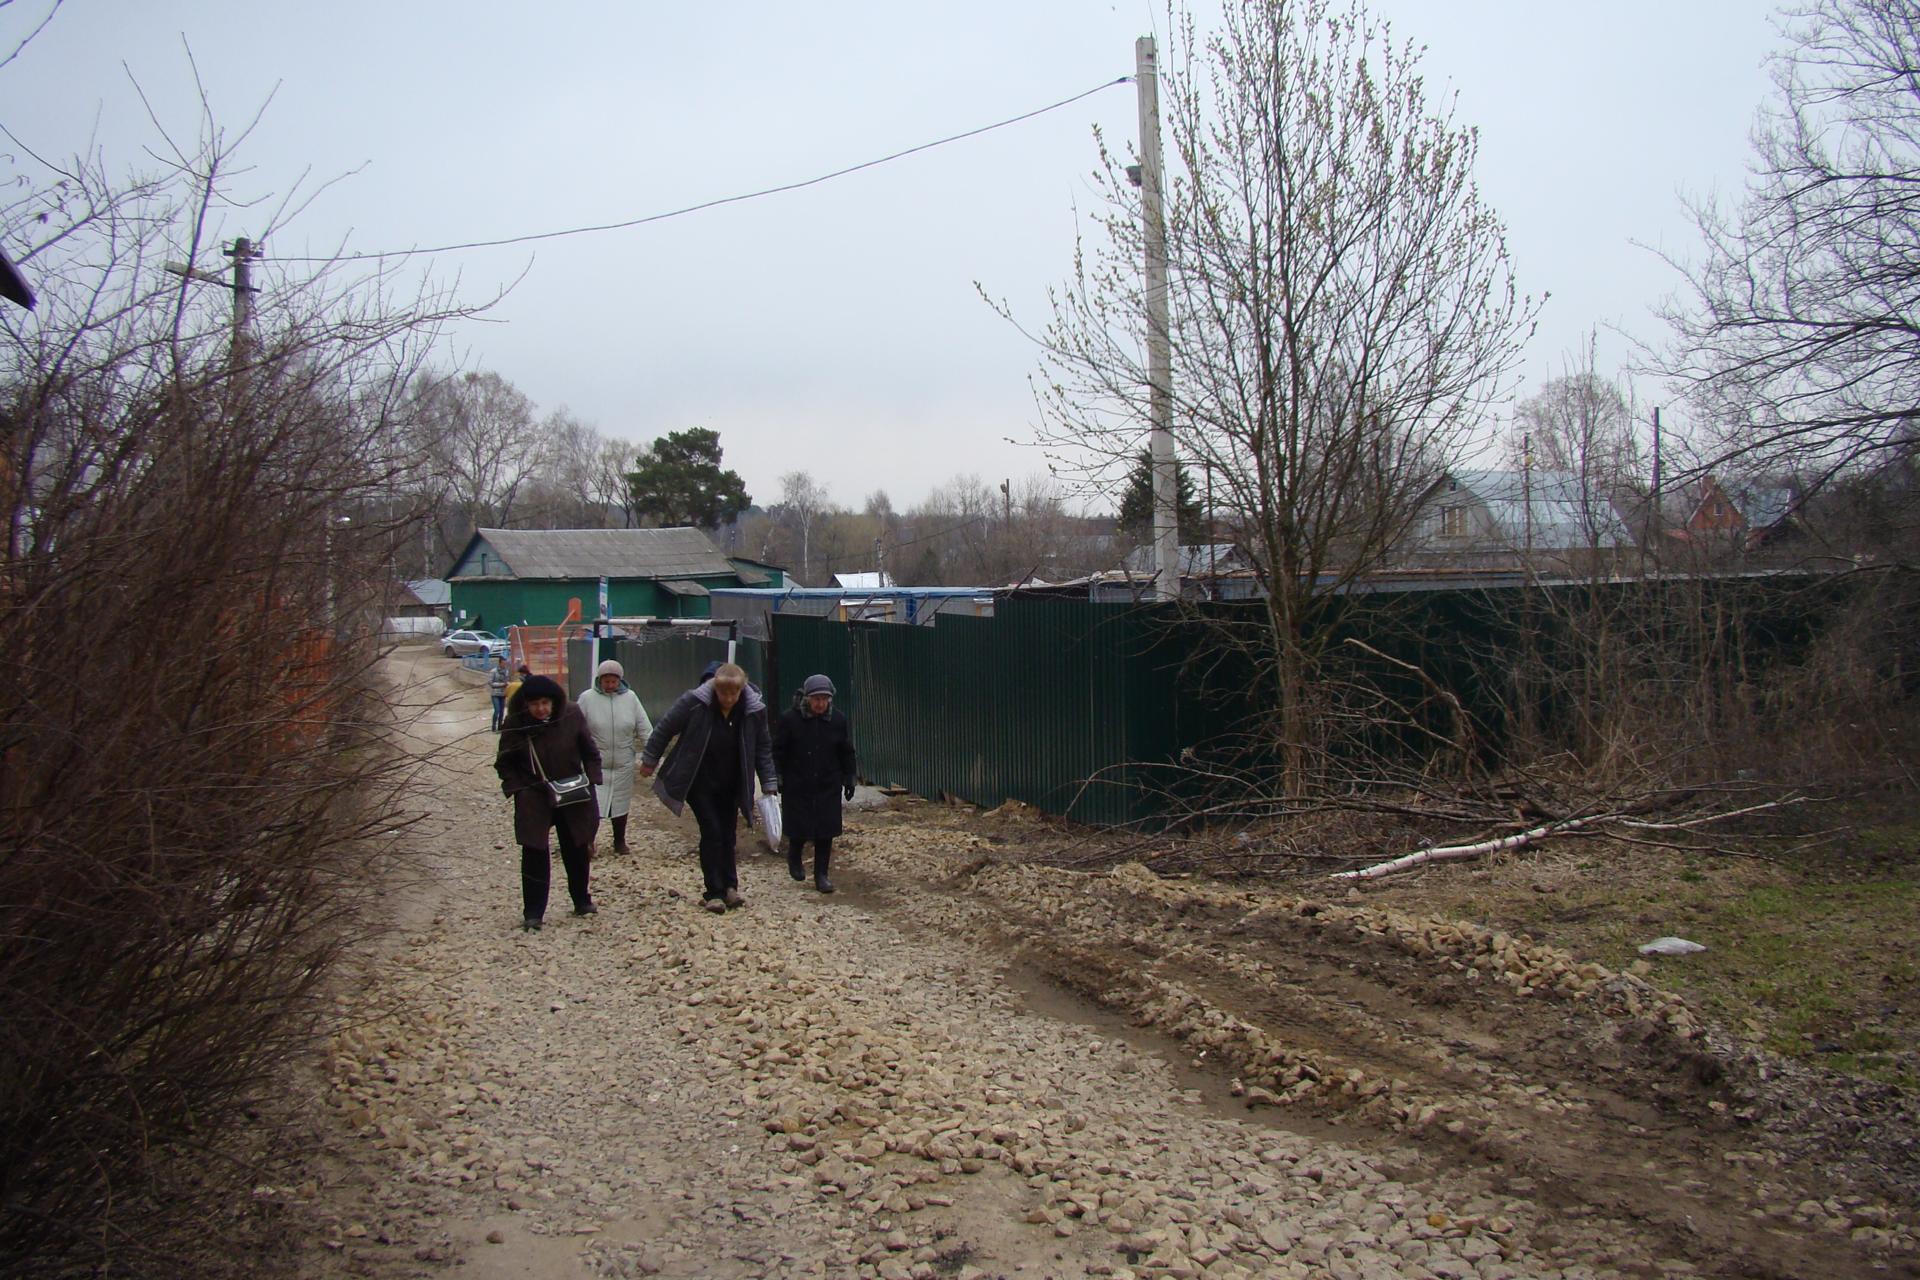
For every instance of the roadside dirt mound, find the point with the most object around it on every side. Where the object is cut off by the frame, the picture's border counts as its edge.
(1590, 1089)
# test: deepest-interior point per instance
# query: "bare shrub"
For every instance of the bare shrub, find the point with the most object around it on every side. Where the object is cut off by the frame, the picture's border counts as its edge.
(190, 781)
(1685, 712)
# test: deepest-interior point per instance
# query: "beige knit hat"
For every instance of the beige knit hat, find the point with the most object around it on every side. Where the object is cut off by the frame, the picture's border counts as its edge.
(609, 668)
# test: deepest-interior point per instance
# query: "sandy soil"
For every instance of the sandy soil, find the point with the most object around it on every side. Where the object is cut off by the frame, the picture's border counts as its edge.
(965, 1064)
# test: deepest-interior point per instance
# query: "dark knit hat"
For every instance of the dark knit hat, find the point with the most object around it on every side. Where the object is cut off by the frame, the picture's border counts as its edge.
(541, 687)
(817, 684)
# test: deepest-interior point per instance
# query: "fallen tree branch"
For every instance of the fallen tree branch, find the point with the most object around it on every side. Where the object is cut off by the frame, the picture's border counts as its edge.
(1549, 830)
(1449, 853)
(1704, 819)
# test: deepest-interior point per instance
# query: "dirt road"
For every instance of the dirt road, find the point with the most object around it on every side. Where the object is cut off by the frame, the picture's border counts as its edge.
(966, 1065)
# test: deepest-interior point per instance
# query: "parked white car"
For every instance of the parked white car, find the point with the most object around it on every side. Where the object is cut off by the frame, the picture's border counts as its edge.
(458, 644)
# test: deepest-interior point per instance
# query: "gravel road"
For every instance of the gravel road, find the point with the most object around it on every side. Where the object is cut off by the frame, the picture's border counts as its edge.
(817, 1086)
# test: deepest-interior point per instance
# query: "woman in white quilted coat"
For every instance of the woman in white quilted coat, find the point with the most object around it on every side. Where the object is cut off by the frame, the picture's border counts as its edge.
(620, 728)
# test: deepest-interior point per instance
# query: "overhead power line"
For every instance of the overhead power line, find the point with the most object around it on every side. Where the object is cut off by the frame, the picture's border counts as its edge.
(723, 200)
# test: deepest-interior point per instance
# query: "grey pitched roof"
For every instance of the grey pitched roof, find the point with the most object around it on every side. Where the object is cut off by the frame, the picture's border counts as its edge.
(1762, 505)
(1561, 515)
(433, 592)
(610, 553)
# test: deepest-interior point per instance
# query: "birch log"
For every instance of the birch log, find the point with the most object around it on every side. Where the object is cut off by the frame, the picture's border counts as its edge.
(1449, 853)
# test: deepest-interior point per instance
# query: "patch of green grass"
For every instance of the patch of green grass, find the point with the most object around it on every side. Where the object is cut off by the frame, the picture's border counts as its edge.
(1890, 838)
(1818, 958)
(1818, 967)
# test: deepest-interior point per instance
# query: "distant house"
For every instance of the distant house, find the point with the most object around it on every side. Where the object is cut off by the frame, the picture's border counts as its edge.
(1208, 571)
(863, 581)
(1196, 561)
(1541, 521)
(1738, 516)
(433, 596)
(419, 607)
(508, 576)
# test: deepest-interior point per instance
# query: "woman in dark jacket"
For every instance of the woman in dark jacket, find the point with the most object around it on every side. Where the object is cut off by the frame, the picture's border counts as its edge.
(813, 749)
(544, 736)
(721, 728)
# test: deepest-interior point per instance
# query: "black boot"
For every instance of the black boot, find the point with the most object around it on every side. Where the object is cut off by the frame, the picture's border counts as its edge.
(822, 855)
(620, 834)
(796, 865)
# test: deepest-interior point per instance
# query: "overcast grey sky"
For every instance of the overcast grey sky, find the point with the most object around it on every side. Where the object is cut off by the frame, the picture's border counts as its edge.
(837, 329)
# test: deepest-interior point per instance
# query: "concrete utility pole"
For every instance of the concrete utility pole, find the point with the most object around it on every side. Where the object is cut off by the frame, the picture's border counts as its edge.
(1654, 509)
(1526, 493)
(1166, 523)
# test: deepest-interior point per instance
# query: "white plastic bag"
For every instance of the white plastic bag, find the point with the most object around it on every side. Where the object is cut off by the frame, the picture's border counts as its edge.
(769, 808)
(1670, 947)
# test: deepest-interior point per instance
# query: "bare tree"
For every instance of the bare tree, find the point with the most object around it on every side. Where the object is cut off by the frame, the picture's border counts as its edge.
(1343, 313)
(802, 502)
(1579, 421)
(609, 478)
(1575, 436)
(478, 443)
(957, 529)
(563, 492)
(1797, 336)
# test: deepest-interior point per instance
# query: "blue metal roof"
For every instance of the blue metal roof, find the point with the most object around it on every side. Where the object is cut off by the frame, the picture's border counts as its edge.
(1563, 515)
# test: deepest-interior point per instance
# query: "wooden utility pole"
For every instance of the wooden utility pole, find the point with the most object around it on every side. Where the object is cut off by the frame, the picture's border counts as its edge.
(1166, 520)
(243, 253)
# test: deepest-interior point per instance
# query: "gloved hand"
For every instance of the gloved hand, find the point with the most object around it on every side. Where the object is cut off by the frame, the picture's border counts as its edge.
(848, 791)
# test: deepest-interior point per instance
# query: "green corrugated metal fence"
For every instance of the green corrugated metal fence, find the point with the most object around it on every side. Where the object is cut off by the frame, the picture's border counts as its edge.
(1050, 702)
(1077, 708)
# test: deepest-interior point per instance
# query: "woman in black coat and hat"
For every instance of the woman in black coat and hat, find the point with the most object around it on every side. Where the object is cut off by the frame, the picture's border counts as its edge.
(545, 737)
(813, 750)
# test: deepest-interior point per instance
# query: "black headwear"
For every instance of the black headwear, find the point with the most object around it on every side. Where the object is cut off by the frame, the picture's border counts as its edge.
(541, 687)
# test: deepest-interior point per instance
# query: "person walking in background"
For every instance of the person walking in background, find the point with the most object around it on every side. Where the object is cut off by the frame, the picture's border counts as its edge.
(620, 727)
(544, 738)
(497, 681)
(719, 735)
(813, 751)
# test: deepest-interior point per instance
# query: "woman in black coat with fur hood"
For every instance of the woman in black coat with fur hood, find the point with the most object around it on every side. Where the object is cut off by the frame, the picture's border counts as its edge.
(545, 736)
(813, 749)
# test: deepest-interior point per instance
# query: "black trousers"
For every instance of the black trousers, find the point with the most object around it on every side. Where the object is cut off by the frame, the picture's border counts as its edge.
(536, 873)
(822, 853)
(718, 814)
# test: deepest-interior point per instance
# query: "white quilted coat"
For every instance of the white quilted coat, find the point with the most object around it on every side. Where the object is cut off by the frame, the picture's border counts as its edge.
(620, 728)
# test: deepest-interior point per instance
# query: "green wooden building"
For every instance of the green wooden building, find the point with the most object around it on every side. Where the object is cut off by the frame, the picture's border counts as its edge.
(512, 577)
